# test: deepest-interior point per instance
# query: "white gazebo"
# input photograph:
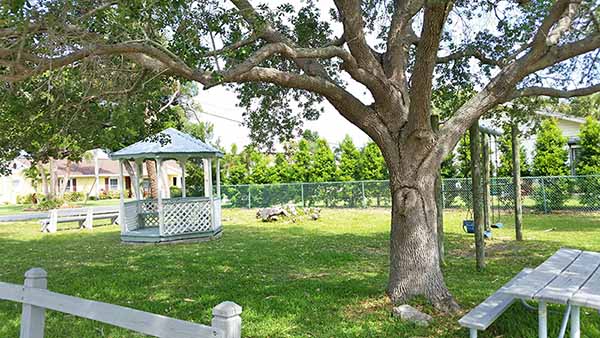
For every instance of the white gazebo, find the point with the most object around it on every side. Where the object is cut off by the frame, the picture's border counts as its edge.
(166, 219)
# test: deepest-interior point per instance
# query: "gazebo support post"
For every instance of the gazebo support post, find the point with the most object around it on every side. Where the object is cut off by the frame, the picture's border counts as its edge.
(218, 178)
(159, 201)
(138, 179)
(183, 187)
(122, 199)
(208, 189)
(207, 178)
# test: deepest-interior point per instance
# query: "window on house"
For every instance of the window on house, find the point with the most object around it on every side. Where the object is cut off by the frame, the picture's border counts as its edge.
(174, 181)
(114, 184)
(71, 185)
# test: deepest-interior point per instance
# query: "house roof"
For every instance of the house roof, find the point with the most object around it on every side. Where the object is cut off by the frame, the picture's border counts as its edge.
(105, 168)
(169, 143)
(560, 116)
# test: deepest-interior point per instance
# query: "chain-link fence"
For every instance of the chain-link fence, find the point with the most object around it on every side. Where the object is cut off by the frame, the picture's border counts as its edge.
(544, 194)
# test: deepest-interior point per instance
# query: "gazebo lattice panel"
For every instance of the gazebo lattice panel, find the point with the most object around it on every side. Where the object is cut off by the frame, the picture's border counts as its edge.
(130, 219)
(184, 216)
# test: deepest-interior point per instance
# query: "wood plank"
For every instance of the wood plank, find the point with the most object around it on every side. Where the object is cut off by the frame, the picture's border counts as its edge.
(11, 292)
(139, 321)
(528, 286)
(484, 314)
(589, 294)
(563, 287)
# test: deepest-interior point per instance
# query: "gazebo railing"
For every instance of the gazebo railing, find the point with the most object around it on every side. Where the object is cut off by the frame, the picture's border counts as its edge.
(185, 215)
(180, 215)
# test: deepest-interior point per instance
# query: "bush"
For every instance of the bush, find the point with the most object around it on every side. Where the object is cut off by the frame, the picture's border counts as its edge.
(73, 196)
(551, 193)
(175, 192)
(110, 195)
(590, 191)
(29, 198)
(49, 204)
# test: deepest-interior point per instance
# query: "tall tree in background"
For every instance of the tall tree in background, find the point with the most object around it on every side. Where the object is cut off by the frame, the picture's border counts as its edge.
(464, 156)
(550, 150)
(235, 171)
(302, 162)
(581, 106)
(323, 167)
(349, 155)
(588, 161)
(372, 164)
(505, 167)
(285, 58)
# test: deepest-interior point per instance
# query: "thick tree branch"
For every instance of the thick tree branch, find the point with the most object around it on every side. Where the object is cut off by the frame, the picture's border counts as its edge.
(553, 92)
(349, 106)
(265, 31)
(239, 44)
(564, 23)
(470, 52)
(351, 14)
(291, 53)
(425, 61)
(148, 55)
(400, 37)
(566, 51)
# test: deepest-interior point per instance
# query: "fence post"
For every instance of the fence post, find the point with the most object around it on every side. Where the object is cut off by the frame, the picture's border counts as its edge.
(33, 317)
(544, 196)
(364, 198)
(302, 193)
(249, 198)
(226, 316)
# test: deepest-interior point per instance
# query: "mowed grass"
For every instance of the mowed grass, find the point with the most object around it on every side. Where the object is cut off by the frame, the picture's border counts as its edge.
(322, 278)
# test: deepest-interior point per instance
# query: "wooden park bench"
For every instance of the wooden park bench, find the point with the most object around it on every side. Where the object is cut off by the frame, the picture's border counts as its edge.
(84, 216)
(482, 316)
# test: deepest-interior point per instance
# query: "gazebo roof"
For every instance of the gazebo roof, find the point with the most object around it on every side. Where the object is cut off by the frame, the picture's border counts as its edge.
(169, 143)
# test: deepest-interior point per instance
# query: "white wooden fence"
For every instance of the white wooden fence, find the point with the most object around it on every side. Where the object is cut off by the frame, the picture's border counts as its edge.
(226, 321)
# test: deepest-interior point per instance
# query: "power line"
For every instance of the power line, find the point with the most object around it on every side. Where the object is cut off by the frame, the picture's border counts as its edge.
(222, 117)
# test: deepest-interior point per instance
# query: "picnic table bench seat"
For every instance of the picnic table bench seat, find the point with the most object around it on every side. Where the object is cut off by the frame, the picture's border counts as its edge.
(482, 316)
(84, 216)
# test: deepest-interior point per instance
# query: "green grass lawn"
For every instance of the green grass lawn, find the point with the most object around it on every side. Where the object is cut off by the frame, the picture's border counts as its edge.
(302, 279)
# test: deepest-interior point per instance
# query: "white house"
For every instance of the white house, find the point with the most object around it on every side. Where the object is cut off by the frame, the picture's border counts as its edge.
(569, 125)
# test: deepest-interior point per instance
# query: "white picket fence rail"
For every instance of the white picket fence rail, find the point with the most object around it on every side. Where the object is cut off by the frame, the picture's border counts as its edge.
(226, 321)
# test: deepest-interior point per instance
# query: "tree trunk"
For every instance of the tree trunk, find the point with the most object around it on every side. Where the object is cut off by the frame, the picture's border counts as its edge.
(516, 158)
(52, 192)
(414, 256)
(477, 195)
(485, 183)
(439, 198)
(133, 178)
(151, 169)
(66, 179)
(45, 188)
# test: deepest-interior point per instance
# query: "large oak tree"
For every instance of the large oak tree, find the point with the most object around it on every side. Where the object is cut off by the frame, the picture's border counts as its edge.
(284, 58)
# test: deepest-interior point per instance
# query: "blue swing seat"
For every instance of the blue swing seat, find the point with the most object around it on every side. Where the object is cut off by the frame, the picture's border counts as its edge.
(469, 227)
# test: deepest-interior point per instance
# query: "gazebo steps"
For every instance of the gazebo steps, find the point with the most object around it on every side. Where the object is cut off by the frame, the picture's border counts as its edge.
(151, 235)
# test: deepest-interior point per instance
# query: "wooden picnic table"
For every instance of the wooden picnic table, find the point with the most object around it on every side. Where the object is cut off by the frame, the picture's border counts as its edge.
(570, 277)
